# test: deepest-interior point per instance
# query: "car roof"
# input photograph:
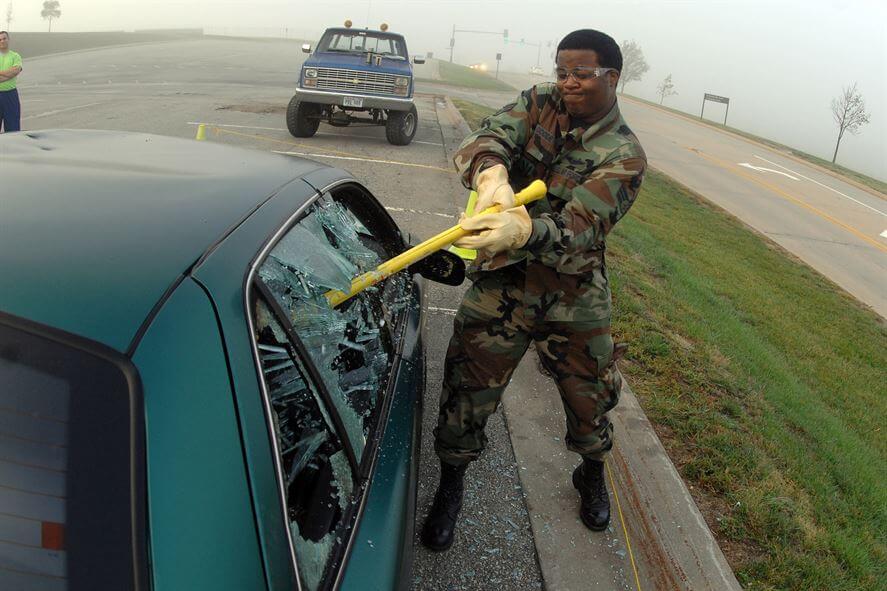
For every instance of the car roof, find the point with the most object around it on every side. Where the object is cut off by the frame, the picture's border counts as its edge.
(96, 226)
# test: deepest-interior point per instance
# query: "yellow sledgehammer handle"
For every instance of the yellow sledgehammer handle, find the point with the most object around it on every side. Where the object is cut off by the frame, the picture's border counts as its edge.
(535, 191)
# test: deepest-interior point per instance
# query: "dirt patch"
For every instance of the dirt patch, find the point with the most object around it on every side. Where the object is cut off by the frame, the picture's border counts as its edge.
(258, 108)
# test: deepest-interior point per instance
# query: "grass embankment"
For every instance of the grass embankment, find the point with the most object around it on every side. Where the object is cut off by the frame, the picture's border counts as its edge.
(473, 113)
(456, 75)
(767, 386)
(868, 181)
(36, 44)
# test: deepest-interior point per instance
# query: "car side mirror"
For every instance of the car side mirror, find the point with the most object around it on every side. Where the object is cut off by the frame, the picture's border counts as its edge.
(419, 60)
(441, 266)
(306, 48)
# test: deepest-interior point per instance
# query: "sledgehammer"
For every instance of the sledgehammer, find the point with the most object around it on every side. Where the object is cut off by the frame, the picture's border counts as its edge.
(535, 191)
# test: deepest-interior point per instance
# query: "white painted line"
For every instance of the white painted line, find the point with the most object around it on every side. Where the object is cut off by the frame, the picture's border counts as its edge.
(884, 234)
(416, 211)
(57, 111)
(762, 169)
(227, 125)
(409, 164)
(369, 137)
(236, 126)
(442, 310)
(822, 185)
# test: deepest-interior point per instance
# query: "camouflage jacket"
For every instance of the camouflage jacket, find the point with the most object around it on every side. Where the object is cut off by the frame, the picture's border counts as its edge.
(593, 176)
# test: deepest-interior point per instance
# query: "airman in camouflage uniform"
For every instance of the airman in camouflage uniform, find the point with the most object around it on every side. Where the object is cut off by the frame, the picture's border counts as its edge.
(553, 290)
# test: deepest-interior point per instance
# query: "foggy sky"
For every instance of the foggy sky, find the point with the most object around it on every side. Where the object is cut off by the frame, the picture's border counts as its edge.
(780, 62)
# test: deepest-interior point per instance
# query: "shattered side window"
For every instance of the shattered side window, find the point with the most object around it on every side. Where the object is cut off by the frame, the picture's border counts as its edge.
(317, 476)
(351, 346)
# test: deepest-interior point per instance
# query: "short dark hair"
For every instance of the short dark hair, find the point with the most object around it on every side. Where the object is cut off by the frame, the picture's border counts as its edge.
(608, 53)
(5, 33)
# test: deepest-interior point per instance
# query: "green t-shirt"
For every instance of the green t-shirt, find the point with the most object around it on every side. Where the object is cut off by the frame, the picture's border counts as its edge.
(10, 59)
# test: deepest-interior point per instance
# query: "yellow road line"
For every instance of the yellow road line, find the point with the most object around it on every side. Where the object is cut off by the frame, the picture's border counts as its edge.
(339, 153)
(634, 567)
(788, 196)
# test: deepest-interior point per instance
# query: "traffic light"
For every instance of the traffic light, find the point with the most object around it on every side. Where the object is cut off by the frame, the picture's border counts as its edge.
(505, 35)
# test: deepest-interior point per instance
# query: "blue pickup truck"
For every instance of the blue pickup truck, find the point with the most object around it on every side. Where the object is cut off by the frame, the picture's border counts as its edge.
(356, 72)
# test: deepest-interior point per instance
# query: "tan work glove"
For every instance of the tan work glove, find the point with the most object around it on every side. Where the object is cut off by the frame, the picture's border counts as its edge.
(493, 188)
(497, 232)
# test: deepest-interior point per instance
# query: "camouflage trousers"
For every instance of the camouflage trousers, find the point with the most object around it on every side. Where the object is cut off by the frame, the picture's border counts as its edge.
(498, 318)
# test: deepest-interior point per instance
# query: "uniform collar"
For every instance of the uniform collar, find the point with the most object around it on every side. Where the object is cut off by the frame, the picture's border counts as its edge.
(587, 134)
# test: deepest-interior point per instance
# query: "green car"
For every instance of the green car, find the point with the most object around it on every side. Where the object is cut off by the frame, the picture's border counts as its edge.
(180, 408)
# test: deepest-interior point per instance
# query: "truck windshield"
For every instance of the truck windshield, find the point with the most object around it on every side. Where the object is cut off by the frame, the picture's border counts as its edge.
(389, 46)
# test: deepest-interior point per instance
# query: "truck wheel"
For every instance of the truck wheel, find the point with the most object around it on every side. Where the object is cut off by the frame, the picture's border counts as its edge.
(302, 119)
(401, 126)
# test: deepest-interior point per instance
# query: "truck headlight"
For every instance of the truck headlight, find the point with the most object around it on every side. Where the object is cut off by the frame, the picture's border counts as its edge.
(401, 81)
(310, 73)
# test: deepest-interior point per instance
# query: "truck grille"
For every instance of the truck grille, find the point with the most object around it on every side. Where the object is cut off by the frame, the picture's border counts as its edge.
(355, 81)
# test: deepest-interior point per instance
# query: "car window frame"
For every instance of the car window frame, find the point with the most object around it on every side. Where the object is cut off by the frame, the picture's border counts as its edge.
(138, 467)
(363, 468)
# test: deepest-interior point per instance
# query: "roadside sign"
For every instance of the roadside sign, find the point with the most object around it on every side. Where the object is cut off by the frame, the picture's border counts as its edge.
(498, 56)
(715, 99)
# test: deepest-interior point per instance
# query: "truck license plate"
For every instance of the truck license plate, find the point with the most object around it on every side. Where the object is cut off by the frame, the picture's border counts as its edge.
(352, 101)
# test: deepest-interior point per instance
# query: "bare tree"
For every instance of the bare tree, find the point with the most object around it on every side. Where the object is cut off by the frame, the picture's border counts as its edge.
(9, 15)
(633, 63)
(849, 113)
(50, 11)
(666, 89)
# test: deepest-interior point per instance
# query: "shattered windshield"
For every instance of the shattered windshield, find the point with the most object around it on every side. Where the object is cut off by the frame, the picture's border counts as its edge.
(315, 468)
(351, 346)
(363, 42)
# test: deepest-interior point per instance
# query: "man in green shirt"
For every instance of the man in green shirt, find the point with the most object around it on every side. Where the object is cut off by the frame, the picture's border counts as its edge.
(10, 67)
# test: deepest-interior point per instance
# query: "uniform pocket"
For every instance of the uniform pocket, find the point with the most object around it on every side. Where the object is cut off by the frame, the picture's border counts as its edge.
(609, 374)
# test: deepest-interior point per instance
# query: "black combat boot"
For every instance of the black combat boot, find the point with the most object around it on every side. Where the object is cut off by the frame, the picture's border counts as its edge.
(440, 525)
(588, 478)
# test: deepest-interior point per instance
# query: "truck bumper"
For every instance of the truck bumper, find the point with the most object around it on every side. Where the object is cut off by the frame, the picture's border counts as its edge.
(370, 101)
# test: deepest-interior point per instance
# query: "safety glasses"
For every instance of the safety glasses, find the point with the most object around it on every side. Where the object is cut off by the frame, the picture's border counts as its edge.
(581, 73)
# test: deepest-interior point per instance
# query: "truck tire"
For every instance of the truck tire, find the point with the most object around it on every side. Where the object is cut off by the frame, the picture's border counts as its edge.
(401, 126)
(302, 119)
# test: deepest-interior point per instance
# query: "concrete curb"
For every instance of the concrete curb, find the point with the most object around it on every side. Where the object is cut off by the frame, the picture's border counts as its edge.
(661, 515)
(658, 538)
(788, 155)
